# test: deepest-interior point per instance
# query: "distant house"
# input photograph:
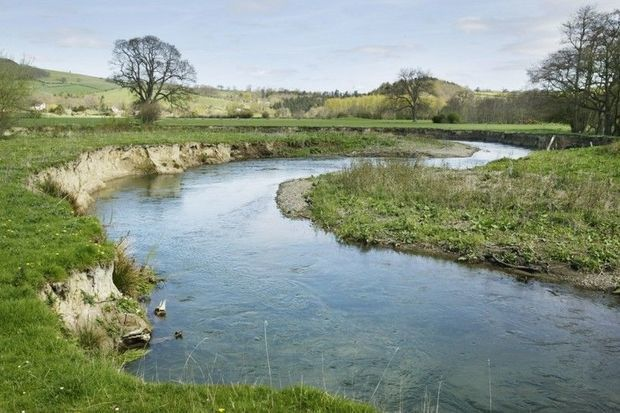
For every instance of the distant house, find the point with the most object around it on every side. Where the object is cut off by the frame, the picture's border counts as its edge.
(39, 107)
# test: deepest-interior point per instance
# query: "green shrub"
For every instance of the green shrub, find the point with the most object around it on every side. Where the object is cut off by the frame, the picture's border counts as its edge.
(149, 112)
(439, 118)
(239, 111)
(453, 117)
(57, 110)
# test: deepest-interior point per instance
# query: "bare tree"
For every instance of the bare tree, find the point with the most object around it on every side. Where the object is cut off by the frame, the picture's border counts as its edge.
(586, 71)
(407, 91)
(152, 70)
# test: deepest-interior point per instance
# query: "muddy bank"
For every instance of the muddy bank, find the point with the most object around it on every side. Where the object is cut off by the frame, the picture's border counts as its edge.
(92, 308)
(293, 200)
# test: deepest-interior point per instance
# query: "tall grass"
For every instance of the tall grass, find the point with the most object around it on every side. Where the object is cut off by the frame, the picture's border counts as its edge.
(557, 208)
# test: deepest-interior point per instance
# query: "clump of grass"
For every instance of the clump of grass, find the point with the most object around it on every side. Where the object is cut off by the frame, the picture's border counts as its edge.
(551, 209)
(90, 337)
(129, 277)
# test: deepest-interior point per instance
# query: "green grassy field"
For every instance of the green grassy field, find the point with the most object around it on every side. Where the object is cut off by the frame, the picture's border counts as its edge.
(555, 214)
(41, 239)
(65, 83)
(545, 128)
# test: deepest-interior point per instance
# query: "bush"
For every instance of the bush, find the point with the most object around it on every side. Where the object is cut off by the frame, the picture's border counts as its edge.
(14, 90)
(149, 112)
(439, 118)
(265, 115)
(238, 111)
(57, 110)
(453, 117)
(80, 108)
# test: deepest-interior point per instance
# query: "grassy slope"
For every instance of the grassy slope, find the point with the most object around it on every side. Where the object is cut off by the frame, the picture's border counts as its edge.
(40, 239)
(545, 128)
(553, 210)
(63, 83)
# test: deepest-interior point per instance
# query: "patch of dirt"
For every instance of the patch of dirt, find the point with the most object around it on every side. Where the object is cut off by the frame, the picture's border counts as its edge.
(292, 198)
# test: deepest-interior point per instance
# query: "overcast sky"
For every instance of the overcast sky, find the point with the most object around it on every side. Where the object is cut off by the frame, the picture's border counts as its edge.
(312, 45)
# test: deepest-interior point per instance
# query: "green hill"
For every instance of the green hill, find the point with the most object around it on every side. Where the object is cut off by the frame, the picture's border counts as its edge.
(58, 83)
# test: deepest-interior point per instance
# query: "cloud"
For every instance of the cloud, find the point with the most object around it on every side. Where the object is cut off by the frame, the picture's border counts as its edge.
(257, 6)
(384, 51)
(534, 46)
(473, 25)
(271, 73)
(73, 38)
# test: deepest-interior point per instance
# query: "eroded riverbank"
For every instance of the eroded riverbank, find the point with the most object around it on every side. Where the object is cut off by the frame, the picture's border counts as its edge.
(337, 314)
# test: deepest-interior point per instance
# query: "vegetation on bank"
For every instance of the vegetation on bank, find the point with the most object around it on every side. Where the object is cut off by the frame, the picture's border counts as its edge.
(41, 239)
(128, 123)
(555, 214)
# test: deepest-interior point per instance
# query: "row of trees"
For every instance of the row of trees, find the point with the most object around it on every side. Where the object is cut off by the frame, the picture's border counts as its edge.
(585, 72)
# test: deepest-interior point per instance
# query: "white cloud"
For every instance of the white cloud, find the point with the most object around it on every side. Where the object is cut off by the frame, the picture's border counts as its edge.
(472, 25)
(270, 73)
(254, 6)
(74, 38)
(385, 51)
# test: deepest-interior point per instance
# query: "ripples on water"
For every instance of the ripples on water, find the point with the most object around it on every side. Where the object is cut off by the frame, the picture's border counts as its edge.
(338, 315)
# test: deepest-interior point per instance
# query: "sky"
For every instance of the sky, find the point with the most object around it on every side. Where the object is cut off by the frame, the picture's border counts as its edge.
(319, 45)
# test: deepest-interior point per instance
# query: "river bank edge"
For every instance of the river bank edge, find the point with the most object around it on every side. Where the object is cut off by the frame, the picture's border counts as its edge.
(293, 200)
(88, 300)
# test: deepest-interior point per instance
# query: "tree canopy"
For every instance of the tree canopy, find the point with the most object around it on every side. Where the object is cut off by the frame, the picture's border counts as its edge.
(152, 70)
(586, 71)
(14, 90)
(407, 91)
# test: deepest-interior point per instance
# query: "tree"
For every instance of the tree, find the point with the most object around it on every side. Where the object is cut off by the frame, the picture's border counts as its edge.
(586, 71)
(407, 91)
(14, 90)
(152, 70)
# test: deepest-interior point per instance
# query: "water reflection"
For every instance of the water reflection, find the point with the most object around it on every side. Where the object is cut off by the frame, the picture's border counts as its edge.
(347, 319)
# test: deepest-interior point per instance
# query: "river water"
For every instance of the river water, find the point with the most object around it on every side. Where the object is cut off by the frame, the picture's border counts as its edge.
(370, 324)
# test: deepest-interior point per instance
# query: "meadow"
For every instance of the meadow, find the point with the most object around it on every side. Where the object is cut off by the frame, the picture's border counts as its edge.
(354, 123)
(553, 215)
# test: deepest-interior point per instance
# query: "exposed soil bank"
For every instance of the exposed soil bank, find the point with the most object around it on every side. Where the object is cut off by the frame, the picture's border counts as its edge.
(79, 179)
(293, 199)
(88, 299)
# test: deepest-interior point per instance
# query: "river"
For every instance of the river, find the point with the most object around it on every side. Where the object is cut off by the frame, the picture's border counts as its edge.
(370, 324)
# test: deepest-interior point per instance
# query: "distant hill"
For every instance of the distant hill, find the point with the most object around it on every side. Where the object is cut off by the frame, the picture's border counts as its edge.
(59, 83)
(29, 71)
(443, 89)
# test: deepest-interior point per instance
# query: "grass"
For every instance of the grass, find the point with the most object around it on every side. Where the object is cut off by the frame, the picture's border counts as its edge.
(129, 277)
(555, 212)
(185, 123)
(41, 239)
(65, 83)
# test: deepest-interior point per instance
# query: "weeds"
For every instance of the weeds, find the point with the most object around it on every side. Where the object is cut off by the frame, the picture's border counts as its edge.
(130, 278)
(553, 208)
(89, 337)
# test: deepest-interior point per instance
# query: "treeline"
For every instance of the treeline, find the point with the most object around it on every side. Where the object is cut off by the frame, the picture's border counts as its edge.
(585, 73)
